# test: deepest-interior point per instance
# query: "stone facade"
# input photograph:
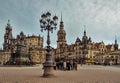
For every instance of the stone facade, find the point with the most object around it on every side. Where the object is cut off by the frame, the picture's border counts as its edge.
(82, 48)
(28, 45)
(112, 57)
(4, 56)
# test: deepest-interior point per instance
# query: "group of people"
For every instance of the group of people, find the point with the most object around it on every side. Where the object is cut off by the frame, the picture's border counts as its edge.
(65, 65)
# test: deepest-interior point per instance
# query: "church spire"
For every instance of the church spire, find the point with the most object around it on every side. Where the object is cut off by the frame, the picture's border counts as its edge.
(61, 17)
(115, 40)
(61, 23)
(84, 30)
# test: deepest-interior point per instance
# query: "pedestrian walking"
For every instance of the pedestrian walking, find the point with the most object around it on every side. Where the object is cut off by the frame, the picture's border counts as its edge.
(75, 65)
(71, 64)
(64, 65)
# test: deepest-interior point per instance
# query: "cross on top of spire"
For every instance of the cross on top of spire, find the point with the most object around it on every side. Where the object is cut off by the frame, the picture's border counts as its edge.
(84, 30)
(8, 24)
(61, 17)
(115, 40)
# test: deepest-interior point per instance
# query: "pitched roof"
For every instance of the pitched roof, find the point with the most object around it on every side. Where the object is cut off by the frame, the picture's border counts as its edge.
(97, 44)
(108, 46)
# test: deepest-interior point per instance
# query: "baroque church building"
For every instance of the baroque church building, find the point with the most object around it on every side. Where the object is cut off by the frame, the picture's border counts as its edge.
(22, 48)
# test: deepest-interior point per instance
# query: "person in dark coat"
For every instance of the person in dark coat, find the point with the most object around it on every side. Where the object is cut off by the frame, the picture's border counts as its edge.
(68, 65)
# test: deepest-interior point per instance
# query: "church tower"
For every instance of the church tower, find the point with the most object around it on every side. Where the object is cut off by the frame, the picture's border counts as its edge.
(61, 35)
(7, 37)
(116, 45)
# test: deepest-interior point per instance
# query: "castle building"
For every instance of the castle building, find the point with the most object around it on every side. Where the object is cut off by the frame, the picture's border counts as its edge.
(81, 49)
(111, 55)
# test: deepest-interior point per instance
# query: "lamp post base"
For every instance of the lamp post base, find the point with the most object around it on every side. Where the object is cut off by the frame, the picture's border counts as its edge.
(48, 70)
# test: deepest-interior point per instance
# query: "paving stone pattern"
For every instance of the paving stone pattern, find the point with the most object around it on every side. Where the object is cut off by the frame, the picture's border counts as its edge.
(84, 74)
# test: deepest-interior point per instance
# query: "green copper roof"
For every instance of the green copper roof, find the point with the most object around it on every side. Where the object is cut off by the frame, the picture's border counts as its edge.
(8, 24)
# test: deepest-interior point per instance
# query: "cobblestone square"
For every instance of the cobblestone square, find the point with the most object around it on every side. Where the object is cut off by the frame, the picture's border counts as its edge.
(84, 74)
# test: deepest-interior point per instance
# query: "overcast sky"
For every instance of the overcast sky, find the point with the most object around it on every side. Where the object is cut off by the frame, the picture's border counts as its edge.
(101, 17)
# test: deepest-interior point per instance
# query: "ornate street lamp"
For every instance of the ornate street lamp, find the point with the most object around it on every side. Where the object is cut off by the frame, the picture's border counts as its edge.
(48, 24)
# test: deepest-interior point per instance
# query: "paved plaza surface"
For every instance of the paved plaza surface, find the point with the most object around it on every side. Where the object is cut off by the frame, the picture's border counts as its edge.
(84, 74)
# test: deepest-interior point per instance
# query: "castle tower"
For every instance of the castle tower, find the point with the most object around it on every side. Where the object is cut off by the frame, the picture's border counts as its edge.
(85, 44)
(84, 40)
(61, 35)
(116, 44)
(7, 37)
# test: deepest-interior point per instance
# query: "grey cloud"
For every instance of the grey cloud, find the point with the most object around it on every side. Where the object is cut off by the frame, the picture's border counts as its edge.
(101, 17)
